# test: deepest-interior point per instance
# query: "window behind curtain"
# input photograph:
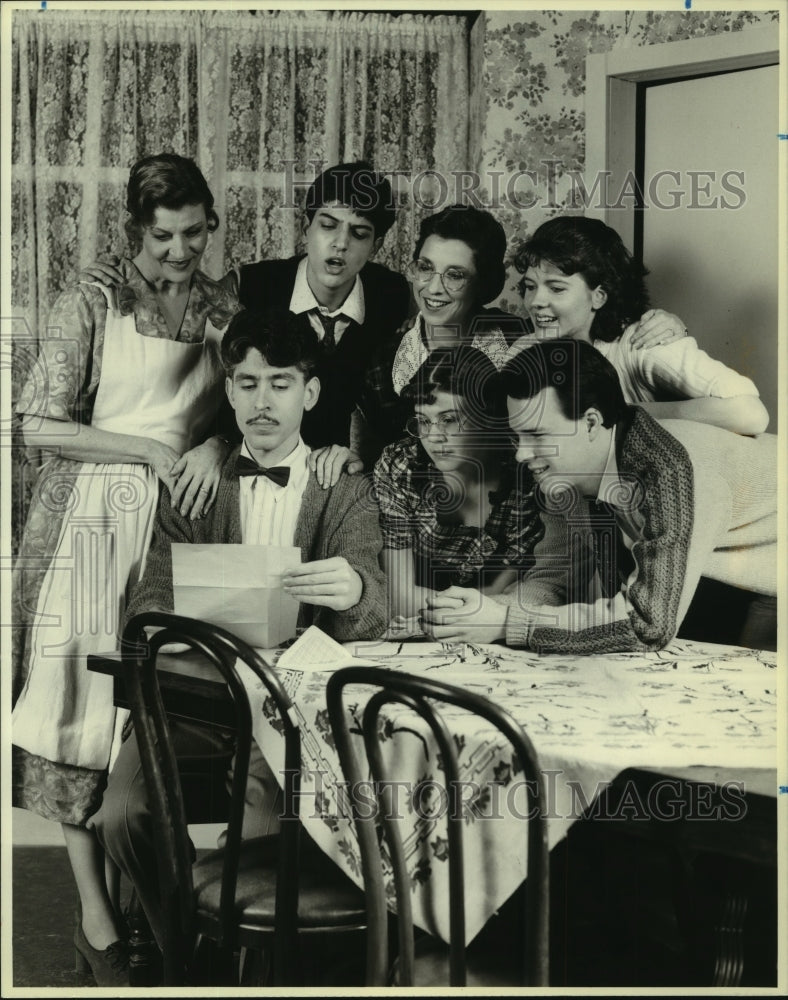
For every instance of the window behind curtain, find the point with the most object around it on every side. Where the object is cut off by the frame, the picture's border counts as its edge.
(258, 98)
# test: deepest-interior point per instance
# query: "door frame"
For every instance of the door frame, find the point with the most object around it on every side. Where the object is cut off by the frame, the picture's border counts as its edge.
(613, 87)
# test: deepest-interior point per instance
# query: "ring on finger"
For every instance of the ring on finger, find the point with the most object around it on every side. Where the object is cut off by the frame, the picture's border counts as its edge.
(203, 489)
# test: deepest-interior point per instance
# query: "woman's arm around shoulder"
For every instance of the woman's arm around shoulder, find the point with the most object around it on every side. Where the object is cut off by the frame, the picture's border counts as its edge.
(694, 386)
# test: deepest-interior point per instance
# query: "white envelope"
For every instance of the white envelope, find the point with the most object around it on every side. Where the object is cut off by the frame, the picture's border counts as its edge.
(238, 587)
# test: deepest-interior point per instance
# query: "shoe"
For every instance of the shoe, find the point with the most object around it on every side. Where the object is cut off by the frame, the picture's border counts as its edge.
(110, 967)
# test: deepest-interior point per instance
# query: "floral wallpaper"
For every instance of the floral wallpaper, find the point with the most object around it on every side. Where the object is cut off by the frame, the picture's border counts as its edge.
(533, 106)
(90, 97)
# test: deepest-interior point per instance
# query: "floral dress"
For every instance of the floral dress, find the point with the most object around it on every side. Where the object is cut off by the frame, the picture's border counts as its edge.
(107, 360)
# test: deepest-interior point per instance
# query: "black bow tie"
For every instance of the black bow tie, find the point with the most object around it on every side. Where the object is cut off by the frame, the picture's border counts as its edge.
(280, 474)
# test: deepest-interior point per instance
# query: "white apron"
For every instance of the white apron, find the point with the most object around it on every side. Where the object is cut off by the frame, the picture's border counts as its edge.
(151, 387)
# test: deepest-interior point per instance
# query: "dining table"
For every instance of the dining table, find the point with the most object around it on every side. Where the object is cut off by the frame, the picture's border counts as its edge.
(691, 715)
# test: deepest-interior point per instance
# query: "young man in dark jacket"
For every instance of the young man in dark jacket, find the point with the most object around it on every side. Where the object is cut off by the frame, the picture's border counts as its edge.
(354, 305)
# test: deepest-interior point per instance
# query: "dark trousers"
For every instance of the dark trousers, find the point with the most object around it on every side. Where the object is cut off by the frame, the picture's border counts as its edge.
(729, 615)
(124, 824)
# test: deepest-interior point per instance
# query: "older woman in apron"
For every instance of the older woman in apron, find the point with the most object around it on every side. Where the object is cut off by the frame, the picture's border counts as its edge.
(127, 383)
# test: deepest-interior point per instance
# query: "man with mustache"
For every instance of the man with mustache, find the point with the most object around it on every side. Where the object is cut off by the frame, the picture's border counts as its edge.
(354, 305)
(270, 362)
(268, 495)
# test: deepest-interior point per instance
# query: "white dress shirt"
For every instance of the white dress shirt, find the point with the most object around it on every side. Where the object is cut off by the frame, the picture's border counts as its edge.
(303, 301)
(269, 512)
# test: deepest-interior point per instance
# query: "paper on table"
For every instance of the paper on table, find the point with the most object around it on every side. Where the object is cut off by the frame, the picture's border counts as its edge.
(238, 587)
(171, 648)
(315, 651)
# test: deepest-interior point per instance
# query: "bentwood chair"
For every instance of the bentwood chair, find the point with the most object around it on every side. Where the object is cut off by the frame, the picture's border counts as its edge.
(421, 695)
(262, 894)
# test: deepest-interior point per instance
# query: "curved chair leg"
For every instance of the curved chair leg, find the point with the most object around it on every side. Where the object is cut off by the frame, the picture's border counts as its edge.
(145, 967)
(255, 968)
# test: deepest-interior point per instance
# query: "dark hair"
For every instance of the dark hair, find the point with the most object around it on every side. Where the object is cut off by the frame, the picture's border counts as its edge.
(581, 376)
(169, 181)
(462, 371)
(483, 234)
(359, 187)
(284, 340)
(577, 245)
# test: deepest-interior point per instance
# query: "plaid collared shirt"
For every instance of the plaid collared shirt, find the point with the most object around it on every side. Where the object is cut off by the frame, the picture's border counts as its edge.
(412, 496)
(384, 410)
(382, 404)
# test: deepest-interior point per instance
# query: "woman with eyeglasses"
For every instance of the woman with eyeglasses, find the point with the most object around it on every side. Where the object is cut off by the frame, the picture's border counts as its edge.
(452, 511)
(457, 268)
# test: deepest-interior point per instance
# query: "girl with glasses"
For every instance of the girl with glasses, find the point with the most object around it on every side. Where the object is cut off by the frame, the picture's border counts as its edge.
(458, 268)
(452, 510)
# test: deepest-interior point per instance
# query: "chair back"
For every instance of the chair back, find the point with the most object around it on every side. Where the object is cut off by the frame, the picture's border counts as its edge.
(160, 769)
(422, 696)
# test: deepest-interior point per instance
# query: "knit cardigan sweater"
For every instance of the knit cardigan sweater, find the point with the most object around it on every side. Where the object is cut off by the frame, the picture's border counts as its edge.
(340, 521)
(705, 504)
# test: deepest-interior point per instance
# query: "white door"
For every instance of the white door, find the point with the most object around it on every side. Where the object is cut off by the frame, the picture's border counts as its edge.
(713, 258)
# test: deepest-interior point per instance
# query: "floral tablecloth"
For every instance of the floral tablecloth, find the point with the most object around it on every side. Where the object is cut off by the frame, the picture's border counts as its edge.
(589, 719)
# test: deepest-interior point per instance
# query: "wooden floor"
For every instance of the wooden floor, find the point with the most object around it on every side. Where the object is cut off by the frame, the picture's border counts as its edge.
(44, 899)
(619, 930)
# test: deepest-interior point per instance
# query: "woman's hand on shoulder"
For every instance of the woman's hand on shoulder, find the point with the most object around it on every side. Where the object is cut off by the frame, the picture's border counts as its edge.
(106, 271)
(657, 327)
(161, 458)
(327, 464)
(197, 474)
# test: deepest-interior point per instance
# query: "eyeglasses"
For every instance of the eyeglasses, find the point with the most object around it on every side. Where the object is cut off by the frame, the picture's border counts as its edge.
(454, 278)
(447, 423)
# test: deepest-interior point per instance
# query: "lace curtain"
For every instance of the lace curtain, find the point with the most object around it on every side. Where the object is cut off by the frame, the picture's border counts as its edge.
(262, 100)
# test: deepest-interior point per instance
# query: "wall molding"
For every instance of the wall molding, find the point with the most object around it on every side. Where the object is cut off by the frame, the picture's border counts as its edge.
(613, 83)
